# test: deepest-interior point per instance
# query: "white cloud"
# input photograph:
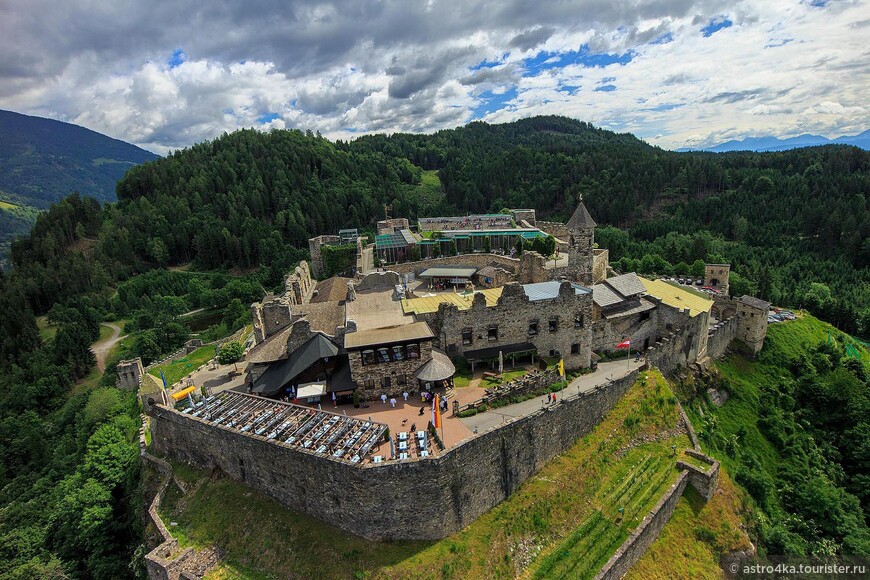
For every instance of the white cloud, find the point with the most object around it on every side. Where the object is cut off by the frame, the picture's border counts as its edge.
(347, 67)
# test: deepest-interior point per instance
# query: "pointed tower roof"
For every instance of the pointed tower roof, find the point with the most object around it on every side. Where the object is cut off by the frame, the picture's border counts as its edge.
(581, 219)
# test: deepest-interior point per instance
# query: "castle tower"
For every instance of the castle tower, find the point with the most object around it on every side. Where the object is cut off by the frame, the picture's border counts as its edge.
(581, 238)
(716, 276)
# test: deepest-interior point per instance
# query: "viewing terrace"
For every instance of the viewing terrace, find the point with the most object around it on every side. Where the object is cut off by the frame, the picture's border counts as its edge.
(327, 434)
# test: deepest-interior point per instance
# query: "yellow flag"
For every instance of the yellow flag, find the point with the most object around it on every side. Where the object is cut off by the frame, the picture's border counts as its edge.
(562, 367)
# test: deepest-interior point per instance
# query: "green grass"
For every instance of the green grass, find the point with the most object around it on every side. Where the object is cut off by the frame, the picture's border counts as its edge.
(698, 534)
(544, 526)
(105, 332)
(46, 330)
(505, 377)
(180, 368)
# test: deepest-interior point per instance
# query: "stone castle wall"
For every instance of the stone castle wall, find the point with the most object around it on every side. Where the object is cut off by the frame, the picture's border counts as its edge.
(414, 499)
(645, 534)
(512, 316)
(720, 336)
(314, 245)
(752, 321)
(600, 263)
(648, 530)
(683, 342)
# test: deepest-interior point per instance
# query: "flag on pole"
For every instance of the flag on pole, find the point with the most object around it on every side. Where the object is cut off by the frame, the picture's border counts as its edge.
(562, 368)
(163, 377)
(436, 412)
(624, 344)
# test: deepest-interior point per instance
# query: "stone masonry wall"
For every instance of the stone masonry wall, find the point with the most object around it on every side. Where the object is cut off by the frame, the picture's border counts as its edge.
(314, 245)
(600, 262)
(369, 377)
(512, 316)
(415, 499)
(645, 534)
(720, 337)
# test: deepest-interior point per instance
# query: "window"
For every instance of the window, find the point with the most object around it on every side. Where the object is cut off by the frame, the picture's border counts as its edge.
(533, 328)
(385, 382)
(578, 321)
(402, 379)
(467, 337)
(644, 315)
(398, 353)
(413, 351)
(370, 383)
(575, 348)
(368, 357)
(451, 347)
(492, 333)
(668, 326)
(553, 324)
(383, 355)
(554, 352)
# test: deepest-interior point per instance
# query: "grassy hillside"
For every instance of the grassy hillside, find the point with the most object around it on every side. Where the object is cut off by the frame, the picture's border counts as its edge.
(795, 435)
(562, 522)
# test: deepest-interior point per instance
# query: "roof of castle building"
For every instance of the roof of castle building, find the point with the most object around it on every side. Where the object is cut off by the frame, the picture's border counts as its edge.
(331, 290)
(626, 284)
(603, 296)
(272, 349)
(401, 333)
(754, 302)
(323, 316)
(276, 376)
(550, 290)
(423, 303)
(676, 297)
(581, 219)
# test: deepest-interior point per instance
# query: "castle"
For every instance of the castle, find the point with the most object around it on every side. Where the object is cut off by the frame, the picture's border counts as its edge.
(403, 328)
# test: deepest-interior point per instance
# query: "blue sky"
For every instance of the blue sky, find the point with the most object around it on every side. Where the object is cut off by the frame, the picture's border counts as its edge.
(674, 72)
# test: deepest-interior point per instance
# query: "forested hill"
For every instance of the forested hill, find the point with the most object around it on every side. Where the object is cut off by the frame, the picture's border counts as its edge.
(794, 224)
(43, 161)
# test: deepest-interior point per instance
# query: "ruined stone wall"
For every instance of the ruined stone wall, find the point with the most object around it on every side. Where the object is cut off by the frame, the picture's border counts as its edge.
(446, 492)
(388, 226)
(645, 534)
(600, 263)
(719, 337)
(512, 316)
(314, 245)
(531, 269)
(683, 338)
(606, 334)
(555, 229)
(298, 286)
(130, 374)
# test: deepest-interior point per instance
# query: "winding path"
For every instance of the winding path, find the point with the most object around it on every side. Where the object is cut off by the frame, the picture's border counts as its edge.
(101, 348)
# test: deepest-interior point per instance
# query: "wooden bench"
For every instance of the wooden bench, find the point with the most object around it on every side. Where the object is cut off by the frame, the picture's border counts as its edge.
(490, 375)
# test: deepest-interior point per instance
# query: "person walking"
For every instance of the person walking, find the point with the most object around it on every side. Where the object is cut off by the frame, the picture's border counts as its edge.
(405, 396)
(384, 399)
(393, 402)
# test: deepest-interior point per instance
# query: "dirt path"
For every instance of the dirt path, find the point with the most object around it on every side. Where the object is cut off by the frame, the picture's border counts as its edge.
(101, 348)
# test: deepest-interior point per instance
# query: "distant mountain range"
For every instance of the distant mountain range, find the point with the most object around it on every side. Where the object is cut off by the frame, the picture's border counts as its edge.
(862, 140)
(43, 161)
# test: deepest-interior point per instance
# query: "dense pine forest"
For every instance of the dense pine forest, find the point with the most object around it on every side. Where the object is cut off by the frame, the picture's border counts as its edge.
(794, 225)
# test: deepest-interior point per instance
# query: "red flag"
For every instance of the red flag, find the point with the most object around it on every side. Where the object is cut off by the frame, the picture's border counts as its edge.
(624, 344)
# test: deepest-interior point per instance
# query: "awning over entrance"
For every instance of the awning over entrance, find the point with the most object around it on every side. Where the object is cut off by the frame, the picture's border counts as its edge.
(507, 349)
(439, 368)
(311, 390)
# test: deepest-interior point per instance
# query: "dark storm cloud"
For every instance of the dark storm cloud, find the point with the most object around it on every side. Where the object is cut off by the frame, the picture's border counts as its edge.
(531, 38)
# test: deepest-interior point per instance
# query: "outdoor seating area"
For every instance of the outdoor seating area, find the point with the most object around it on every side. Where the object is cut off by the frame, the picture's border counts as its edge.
(328, 434)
